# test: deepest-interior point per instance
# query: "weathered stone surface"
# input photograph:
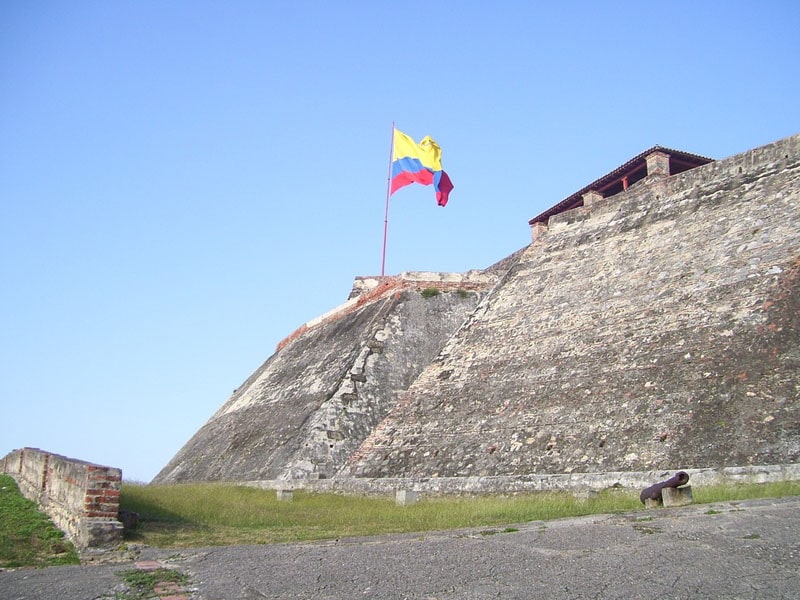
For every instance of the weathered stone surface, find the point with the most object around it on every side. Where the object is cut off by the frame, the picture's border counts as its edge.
(284, 495)
(98, 532)
(657, 329)
(405, 497)
(576, 483)
(677, 496)
(315, 400)
(81, 498)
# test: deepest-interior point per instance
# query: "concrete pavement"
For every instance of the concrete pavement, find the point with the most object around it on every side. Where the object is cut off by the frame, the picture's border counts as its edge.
(733, 550)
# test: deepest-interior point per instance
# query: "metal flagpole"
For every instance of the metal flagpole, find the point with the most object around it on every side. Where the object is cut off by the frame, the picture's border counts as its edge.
(386, 215)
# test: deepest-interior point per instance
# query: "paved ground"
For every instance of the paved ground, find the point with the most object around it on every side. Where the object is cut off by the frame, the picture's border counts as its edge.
(737, 550)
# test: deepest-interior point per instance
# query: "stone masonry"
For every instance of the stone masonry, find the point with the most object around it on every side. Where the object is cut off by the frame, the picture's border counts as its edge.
(655, 329)
(310, 405)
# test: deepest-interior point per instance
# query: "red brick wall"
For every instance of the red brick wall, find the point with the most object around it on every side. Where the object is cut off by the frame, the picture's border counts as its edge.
(81, 498)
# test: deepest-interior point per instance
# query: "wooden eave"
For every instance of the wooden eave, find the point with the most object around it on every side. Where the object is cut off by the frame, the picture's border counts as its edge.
(634, 170)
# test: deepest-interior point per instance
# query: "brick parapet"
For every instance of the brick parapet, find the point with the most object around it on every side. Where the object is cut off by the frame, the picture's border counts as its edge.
(81, 498)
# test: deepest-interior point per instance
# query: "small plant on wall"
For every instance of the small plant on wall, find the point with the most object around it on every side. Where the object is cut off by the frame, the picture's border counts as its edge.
(430, 292)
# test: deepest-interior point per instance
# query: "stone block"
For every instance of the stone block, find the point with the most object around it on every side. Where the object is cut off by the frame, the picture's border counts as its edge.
(95, 532)
(680, 496)
(128, 518)
(284, 495)
(405, 497)
(658, 164)
(650, 503)
(585, 494)
(592, 197)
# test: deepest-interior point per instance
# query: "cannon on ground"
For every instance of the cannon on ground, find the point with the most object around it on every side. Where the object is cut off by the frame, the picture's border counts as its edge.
(654, 491)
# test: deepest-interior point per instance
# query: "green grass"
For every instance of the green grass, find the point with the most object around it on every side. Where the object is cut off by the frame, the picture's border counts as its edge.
(213, 514)
(193, 515)
(733, 492)
(27, 536)
(208, 514)
(142, 584)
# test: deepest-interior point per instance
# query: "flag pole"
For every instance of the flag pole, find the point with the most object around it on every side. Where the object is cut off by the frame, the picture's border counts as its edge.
(386, 214)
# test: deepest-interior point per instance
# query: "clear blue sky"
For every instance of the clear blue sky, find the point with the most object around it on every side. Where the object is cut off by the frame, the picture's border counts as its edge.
(183, 184)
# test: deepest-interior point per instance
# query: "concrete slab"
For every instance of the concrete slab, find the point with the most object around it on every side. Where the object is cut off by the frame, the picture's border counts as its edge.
(733, 550)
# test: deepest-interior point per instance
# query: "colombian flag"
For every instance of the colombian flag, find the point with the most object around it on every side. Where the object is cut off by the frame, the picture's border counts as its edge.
(419, 163)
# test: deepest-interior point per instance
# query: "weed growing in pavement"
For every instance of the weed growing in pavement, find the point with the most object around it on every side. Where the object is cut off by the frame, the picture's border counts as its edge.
(142, 584)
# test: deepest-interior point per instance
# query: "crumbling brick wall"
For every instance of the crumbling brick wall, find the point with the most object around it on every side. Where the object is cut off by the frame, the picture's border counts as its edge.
(81, 498)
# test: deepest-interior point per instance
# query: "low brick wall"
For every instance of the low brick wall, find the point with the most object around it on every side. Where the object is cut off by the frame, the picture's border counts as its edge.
(81, 498)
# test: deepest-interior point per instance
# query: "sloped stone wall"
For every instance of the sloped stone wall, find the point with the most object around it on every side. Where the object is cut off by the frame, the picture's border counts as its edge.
(656, 329)
(311, 404)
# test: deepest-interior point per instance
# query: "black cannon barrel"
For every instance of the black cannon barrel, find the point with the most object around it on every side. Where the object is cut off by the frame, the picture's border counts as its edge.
(654, 491)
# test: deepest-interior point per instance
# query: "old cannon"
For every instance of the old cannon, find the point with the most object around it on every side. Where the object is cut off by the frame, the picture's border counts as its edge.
(654, 491)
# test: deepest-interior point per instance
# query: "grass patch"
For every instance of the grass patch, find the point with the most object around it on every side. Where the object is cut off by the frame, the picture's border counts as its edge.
(430, 292)
(142, 584)
(646, 529)
(28, 537)
(212, 514)
(733, 492)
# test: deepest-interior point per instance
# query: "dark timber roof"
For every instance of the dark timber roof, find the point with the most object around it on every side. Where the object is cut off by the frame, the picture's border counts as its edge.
(624, 176)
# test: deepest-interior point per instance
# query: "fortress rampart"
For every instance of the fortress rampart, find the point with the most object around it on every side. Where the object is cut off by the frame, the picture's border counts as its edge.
(81, 498)
(373, 288)
(654, 329)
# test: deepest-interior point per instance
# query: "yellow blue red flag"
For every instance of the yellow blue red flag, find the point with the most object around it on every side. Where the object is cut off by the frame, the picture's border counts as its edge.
(419, 163)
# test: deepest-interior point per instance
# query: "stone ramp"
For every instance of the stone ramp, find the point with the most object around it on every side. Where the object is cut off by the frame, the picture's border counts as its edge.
(656, 329)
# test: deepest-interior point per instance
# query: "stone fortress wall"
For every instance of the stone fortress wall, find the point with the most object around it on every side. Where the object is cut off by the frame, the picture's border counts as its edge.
(328, 385)
(654, 329)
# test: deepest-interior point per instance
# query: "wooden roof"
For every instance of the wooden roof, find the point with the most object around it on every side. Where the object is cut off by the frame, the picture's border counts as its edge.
(624, 176)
